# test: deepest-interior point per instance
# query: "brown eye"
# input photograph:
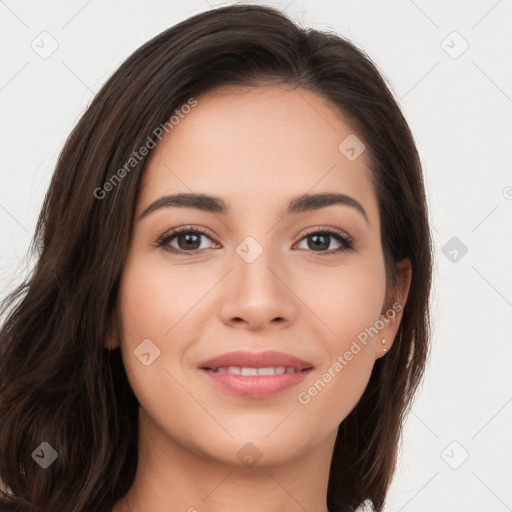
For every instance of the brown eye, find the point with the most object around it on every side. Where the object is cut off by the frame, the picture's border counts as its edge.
(318, 241)
(188, 240)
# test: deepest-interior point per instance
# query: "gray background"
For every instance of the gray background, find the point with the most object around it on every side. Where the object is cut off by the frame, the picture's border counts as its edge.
(457, 447)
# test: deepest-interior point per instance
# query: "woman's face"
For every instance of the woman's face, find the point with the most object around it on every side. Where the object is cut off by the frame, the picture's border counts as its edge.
(262, 278)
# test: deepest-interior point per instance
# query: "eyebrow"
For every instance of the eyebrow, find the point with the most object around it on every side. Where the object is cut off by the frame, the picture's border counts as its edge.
(213, 204)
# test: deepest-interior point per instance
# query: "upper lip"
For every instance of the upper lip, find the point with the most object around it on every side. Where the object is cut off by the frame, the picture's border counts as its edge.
(246, 359)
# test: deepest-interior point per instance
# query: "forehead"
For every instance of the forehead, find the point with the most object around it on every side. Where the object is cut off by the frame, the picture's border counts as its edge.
(257, 144)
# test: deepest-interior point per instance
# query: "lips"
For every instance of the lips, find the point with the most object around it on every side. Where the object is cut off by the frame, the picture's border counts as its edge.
(255, 375)
(244, 359)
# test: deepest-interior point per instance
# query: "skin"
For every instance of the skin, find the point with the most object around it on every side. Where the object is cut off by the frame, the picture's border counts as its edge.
(255, 148)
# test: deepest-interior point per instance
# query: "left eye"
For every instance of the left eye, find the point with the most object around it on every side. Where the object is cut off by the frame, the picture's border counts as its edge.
(322, 239)
(189, 240)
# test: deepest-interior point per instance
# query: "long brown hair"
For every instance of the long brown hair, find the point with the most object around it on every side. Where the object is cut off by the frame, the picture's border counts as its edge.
(59, 385)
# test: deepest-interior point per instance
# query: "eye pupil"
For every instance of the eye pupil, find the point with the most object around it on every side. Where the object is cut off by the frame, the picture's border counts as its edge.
(324, 245)
(189, 241)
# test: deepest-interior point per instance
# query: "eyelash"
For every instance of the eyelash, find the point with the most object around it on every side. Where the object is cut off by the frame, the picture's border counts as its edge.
(347, 243)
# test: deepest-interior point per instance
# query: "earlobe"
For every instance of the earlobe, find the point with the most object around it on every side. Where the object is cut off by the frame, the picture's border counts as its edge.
(111, 344)
(112, 339)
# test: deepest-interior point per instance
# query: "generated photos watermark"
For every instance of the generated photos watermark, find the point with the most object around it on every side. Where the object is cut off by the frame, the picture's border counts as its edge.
(304, 397)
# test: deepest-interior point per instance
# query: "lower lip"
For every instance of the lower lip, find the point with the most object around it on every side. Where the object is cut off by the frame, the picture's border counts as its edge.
(255, 386)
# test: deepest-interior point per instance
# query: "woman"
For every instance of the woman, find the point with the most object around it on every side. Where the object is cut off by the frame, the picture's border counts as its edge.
(230, 305)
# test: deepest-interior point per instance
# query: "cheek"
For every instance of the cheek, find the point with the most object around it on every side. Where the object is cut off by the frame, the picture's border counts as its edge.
(155, 298)
(155, 303)
(345, 299)
(348, 303)
(166, 305)
(336, 390)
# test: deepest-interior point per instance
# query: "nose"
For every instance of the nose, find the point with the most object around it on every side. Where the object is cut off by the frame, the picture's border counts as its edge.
(258, 295)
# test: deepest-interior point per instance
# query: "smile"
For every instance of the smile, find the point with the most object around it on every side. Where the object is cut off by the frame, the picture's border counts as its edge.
(249, 372)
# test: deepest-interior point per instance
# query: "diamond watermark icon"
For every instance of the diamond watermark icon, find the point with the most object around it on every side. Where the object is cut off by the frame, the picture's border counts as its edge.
(146, 352)
(45, 455)
(249, 455)
(249, 249)
(455, 455)
(44, 45)
(351, 147)
(455, 249)
(454, 45)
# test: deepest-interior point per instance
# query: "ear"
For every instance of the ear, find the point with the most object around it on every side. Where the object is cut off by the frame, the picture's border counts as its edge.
(392, 310)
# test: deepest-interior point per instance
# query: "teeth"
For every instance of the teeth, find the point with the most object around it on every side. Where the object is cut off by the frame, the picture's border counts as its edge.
(249, 372)
(266, 371)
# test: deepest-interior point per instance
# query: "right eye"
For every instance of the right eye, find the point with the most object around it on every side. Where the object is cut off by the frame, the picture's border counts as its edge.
(186, 238)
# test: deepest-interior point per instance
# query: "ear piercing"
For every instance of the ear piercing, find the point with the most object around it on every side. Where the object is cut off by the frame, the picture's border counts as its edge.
(383, 341)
